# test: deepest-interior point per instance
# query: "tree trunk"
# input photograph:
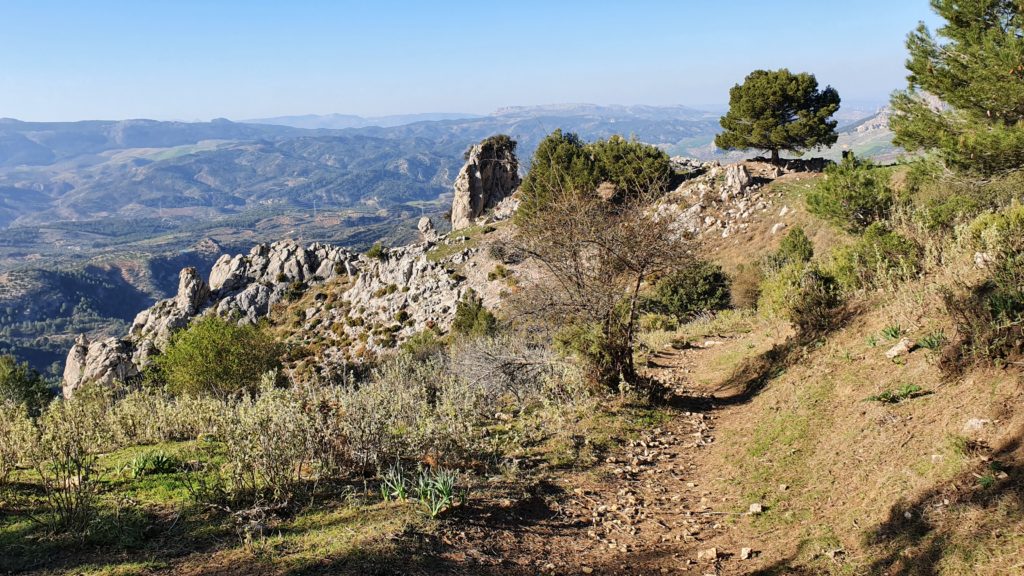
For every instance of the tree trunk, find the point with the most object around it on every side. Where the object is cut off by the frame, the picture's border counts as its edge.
(775, 156)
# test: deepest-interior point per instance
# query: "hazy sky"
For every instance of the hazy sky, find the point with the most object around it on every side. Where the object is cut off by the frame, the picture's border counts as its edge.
(200, 59)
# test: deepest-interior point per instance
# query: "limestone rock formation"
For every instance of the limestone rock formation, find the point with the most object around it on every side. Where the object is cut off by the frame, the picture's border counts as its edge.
(103, 361)
(491, 174)
(159, 322)
(242, 286)
(737, 179)
(426, 228)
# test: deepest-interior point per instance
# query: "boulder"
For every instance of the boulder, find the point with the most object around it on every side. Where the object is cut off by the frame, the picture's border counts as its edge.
(102, 362)
(901, 348)
(193, 292)
(426, 228)
(491, 174)
(737, 180)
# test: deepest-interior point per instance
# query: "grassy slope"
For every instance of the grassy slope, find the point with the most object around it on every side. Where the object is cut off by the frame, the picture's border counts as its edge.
(853, 485)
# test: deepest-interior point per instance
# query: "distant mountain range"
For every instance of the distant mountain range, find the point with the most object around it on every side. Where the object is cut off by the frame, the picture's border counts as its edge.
(342, 121)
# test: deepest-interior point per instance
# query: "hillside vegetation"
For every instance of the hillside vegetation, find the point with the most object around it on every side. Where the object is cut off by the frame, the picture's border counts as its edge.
(652, 367)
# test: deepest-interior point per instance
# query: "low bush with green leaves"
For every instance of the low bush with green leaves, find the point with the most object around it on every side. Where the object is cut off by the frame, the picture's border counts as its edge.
(904, 392)
(701, 286)
(22, 385)
(17, 437)
(813, 308)
(217, 357)
(472, 317)
(377, 252)
(989, 315)
(853, 194)
(879, 258)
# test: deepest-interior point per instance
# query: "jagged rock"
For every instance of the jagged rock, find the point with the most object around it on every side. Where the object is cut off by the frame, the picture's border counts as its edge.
(427, 231)
(103, 362)
(491, 174)
(193, 291)
(505, 209)
(777, 228)
(746, 553)
(159, 322)
(737, 180)
(902, 348)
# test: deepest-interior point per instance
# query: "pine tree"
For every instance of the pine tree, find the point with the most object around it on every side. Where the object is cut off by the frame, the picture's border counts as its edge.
(965, 97)
(778, 110)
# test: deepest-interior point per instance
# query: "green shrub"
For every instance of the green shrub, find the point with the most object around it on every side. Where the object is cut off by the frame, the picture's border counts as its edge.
(563, 163)
(699, 287)
(594, 349)
(795, 246)
(853, 194)
(423, 345)
(498, 273)
(21, 385)
(803, 294)
(941, 201)
(655, 322)
(816, 300)
(778, 288)
(217, 357)
(377, 251)
(990, 316)
(878, 258)
(472, 318)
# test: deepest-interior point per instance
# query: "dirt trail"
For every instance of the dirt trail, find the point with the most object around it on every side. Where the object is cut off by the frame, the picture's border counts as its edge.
(647, 509)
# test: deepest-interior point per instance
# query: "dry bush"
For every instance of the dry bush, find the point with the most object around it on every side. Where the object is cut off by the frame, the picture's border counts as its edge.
(17, 435)
(149, 416)
(595, 257)
(507, 369)
(266, 441)
(409, 409)
(65, 463)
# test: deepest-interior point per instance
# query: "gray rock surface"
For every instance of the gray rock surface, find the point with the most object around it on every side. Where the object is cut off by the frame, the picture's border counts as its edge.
(241, 286)
(491, 174)
(737, 180)
(426, 229)
(103, 362)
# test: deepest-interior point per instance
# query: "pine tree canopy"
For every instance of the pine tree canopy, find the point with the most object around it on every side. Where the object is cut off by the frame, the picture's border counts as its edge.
(777, 110)
(965, 97)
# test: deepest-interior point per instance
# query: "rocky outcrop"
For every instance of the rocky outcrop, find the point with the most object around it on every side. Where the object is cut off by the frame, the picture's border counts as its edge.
(491, 174)
(104, 361)
(242, 286)
(159, 322)
(714, 199)
(737, 180)
(245, 286)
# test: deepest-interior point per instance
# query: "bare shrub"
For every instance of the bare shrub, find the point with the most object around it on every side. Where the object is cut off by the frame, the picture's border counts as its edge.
(17, 434)
(266, 441)
(504, 368)
(65, 463)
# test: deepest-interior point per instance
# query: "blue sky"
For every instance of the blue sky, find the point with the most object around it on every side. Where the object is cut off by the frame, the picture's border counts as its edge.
(201, 59)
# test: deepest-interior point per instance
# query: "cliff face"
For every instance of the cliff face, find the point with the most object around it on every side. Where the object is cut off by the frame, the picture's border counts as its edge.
(490, 175)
